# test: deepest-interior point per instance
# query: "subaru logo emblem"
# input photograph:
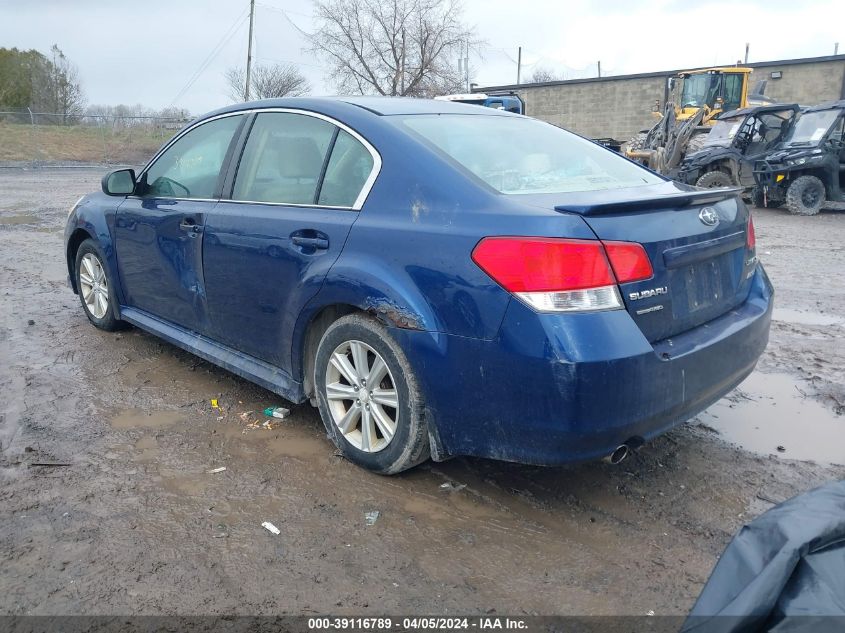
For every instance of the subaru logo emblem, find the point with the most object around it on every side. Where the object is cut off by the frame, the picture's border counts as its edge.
(708, 216)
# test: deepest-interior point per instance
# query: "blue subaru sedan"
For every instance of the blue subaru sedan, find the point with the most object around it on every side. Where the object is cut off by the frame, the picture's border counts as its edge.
(438, 279)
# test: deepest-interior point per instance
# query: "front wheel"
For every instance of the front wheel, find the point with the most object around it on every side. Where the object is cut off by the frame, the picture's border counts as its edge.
(96, 292)
(368, 396)
(805, 195)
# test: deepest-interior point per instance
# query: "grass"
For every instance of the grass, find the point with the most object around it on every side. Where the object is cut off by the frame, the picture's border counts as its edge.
(79, 143)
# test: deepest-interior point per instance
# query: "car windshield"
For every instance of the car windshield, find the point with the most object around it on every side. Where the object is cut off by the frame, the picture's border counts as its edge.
(519, 155)
(724, 132)
(811, 127)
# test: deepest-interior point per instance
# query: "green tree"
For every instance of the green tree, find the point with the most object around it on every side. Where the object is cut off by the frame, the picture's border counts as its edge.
(24, 78)
(29, 79)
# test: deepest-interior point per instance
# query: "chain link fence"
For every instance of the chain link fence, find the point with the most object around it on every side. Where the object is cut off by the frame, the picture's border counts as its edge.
(36, 139)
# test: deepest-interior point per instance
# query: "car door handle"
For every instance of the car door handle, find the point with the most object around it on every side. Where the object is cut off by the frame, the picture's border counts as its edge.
(190, 225)
(320, 243)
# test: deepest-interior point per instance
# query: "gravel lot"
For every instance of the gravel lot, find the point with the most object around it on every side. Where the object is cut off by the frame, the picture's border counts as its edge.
(133, 523)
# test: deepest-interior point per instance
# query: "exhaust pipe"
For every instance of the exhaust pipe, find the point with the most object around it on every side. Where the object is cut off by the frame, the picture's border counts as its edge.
(618, 455)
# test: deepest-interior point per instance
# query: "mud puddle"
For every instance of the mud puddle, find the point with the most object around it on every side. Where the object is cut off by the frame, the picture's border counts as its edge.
(140, 419)
(19, 219)
(770, 414)
(799, 317)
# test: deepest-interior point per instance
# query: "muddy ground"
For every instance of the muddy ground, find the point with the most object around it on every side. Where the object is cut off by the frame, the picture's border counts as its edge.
(127, 519)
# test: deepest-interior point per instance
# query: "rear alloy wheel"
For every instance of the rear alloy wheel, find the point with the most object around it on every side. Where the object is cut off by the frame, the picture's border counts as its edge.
(368, 398)
(713, 179)
(95, 290)
(805, 195)
(362, 396)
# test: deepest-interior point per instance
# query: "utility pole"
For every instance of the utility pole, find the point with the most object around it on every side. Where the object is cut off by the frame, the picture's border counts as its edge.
(466, 67)
(518, 65)
(747, 45)
(249, 49)
(599, 68)
(402, 67)
(836, 48)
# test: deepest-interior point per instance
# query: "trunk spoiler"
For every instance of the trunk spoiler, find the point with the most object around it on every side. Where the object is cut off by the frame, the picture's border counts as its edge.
(675, 199)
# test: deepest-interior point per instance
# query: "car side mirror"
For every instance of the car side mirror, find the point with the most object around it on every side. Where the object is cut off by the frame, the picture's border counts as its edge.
(120, 182)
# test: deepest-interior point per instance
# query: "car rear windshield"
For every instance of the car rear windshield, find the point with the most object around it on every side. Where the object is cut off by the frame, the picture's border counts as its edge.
(520, 155)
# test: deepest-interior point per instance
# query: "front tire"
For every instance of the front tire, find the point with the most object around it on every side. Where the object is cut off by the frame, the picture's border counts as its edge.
(805, 196)
(368, 396)
(713, 179)
(96, 291)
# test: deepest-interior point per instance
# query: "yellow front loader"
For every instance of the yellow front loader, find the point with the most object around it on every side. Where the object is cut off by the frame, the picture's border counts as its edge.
(693, 100)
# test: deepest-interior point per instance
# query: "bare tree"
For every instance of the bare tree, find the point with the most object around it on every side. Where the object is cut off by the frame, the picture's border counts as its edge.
(267, 82)
(65, 88)
(392, 47)
(543, 74)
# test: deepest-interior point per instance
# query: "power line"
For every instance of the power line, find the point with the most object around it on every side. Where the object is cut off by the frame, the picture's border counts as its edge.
(284, 12)
(230, 33)
(270, 6)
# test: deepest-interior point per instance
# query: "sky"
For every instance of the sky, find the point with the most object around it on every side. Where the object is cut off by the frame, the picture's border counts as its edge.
(174, 52)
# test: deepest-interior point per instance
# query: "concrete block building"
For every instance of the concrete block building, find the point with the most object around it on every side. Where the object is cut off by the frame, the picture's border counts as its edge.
(620, 106)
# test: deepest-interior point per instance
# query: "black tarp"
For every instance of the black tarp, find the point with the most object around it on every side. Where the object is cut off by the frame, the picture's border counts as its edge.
(783, 572)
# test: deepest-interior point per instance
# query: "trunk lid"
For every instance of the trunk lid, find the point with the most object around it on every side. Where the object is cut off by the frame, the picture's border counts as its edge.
(696, 241)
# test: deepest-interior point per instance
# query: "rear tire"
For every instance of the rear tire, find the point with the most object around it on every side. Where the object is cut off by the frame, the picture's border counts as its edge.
(96, 291)
(378, 425)
(805, 196)
(713, 179)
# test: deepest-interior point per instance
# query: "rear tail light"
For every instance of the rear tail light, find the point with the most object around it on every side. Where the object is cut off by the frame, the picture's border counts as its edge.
(750, 237)
(562, 275)
(629, 261)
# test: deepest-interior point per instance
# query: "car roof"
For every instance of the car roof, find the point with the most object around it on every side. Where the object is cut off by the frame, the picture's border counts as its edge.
(830, 105)
(381, 106)
(774, 107)
(387, 106)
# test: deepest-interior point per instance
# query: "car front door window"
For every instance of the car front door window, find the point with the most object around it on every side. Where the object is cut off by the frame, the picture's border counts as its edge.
(190, 168)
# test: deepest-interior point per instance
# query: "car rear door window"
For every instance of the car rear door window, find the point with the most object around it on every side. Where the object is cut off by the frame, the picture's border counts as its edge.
(190, 168)
(349, 168)
(283, 159)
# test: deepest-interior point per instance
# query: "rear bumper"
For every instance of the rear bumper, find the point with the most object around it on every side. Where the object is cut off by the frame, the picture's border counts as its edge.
(554, 389)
